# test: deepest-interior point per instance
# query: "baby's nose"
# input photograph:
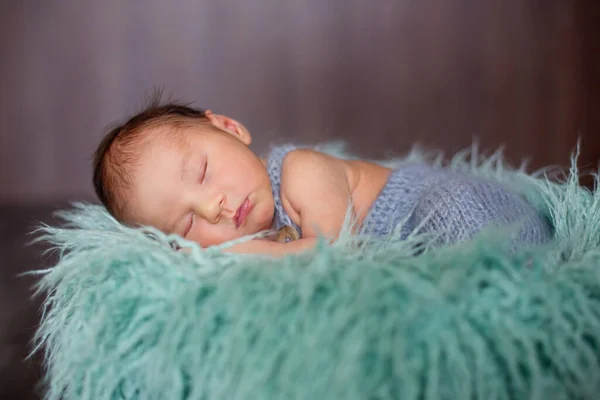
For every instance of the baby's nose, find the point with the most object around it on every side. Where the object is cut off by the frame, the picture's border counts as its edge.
(213, 207)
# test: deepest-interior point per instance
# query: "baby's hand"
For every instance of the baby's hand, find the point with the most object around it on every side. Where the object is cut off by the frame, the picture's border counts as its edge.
(285, 241)
(273, 248)
(286, 234)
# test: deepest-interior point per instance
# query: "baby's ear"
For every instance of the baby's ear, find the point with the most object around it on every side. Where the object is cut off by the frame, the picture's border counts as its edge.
(230, 126)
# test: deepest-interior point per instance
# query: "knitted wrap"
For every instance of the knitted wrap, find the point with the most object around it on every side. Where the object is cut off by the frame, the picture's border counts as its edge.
(453, 205)
(274, 162)
(450, 204)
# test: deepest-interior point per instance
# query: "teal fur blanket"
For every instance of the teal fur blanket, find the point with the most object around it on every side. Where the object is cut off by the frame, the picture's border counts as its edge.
(125, 317)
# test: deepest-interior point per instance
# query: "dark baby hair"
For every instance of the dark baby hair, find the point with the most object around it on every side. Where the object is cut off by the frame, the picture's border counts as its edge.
(118, 150)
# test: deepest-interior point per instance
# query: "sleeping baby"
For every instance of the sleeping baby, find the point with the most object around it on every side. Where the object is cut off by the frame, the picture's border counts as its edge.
(190, 172)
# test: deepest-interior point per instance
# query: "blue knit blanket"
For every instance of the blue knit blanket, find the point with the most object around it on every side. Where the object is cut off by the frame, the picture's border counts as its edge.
(126, 317)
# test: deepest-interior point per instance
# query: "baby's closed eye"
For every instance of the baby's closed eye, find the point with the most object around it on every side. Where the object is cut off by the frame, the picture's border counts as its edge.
(203, 168)
(189, 224)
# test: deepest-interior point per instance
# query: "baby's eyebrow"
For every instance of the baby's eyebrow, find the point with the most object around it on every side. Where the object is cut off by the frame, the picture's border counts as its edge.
(185, 166)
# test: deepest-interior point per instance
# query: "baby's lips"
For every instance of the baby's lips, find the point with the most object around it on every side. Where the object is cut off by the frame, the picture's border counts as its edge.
(242, 213)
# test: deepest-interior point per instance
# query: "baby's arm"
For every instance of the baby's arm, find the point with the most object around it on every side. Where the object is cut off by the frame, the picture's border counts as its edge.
(261, 246)
(315, 192)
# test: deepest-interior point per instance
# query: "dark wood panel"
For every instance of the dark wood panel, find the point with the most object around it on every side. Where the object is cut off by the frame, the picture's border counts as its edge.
(588, 40)
(380, 75)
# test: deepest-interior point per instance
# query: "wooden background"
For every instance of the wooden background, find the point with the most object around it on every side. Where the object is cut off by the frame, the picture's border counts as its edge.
(381, 75)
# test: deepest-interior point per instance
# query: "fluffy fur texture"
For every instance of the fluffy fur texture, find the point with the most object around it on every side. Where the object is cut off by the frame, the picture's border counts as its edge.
(126, 317)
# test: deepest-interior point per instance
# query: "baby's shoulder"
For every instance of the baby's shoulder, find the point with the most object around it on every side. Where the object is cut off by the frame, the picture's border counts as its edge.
(305, 170)
(301, 157)
(309, 163)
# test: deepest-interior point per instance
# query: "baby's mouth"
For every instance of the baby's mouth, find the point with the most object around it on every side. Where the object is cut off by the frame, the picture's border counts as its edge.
(242, 212)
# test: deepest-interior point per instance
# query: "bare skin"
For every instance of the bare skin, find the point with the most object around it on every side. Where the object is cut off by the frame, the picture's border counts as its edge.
(206, 185)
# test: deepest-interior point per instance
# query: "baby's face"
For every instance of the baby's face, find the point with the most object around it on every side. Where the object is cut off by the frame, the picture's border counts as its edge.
(208, 188)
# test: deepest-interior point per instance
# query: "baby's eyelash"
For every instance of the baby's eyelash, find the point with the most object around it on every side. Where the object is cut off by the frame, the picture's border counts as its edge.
(203, 171)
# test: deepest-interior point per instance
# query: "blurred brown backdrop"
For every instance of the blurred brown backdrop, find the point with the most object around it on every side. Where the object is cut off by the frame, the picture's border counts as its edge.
(380, 74)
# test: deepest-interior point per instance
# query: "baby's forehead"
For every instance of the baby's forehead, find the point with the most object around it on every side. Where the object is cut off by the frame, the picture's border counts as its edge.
(173, 138)
(167, 148)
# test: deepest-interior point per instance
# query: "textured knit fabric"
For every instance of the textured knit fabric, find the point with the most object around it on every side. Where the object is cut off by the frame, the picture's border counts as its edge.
(452, 205)
(274, 161)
